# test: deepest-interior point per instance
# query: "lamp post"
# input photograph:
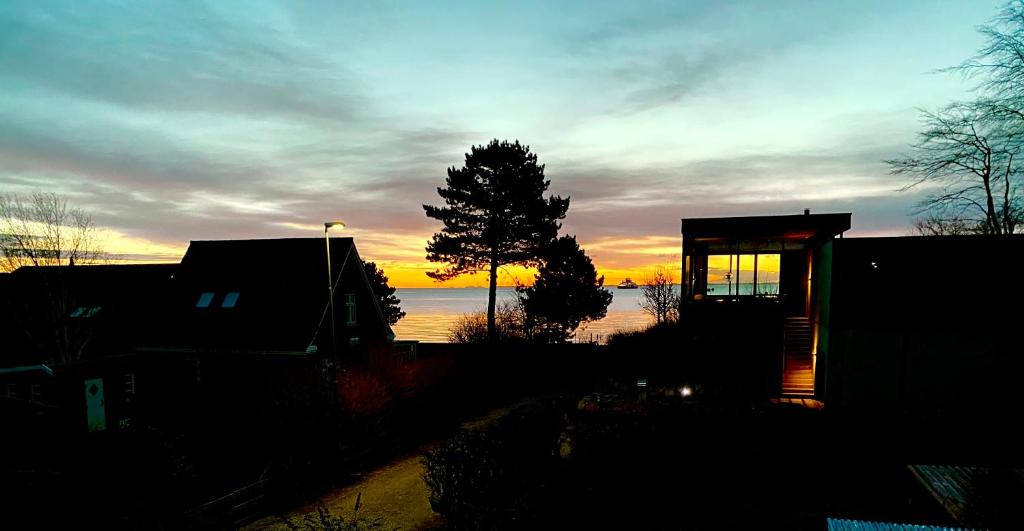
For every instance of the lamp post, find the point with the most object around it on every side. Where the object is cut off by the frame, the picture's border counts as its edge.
(330, 286)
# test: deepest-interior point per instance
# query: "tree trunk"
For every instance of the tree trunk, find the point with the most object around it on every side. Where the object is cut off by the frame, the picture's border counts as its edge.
(492, 293)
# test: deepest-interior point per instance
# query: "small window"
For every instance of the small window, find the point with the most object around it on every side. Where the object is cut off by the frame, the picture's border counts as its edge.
(35, 392)
(205, 299)
(353, 341)
(350, 305)
(12, 390)
(230, 300)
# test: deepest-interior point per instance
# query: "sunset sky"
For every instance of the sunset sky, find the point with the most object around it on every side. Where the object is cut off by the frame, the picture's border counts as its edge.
(181, 120)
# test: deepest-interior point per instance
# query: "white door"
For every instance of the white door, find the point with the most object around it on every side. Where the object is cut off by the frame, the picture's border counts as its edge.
(95, 406)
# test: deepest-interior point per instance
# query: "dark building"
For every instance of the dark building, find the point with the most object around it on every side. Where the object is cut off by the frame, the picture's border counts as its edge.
(900, 323)
(239, 327)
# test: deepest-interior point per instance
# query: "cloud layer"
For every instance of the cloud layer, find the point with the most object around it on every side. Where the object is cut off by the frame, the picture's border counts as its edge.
(183, 120)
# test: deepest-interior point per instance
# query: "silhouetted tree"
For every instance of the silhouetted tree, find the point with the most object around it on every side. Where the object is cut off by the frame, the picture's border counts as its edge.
(999, 64)
(40, 229)
(933, 225)
(970, 151)
(658, 296)
(495, 214)
(385, 294)
(969, 158)
(565, 293)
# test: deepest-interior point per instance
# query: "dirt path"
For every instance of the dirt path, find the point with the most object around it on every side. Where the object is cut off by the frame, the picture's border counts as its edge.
(394, 492)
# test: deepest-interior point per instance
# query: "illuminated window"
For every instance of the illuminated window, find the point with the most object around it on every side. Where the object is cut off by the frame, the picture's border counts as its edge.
(230, 300)
(743, 275)
(205, 299)
(350, 306)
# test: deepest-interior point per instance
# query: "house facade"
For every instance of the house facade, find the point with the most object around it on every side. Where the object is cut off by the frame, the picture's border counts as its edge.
(237, 329)
(894, 323)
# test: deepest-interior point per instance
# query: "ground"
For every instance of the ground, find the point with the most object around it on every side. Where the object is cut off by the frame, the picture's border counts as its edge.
(394, 492)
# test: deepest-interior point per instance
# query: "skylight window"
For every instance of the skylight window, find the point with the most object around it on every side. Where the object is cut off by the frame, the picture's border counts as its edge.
(85, 311)
(230, 300)
(205, 299)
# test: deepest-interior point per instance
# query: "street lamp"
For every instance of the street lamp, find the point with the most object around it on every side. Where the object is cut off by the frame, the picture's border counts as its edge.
(330, 286)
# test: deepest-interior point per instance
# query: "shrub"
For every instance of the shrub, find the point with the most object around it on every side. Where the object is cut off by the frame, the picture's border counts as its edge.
(472, 327)
(362, 393)
(495, 477)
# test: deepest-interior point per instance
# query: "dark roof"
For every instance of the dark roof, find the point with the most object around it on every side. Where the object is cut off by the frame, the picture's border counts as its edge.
(796, 227)
(281, 287)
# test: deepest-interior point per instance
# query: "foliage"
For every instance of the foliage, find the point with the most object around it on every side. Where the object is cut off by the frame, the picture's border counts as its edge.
(362, 393)
(566, 292)
(472, 327)
(658, 297)
(493, 477)
(323, 520)
(657, 337)
(495, 214)
(385, 294)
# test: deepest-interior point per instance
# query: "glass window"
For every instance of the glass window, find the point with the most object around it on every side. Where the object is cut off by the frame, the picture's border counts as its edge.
(350, 305)
(230, 300)
(205, 299)
(743, 274)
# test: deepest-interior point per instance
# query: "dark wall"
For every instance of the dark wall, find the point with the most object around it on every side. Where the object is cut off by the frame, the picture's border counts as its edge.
(928, 324)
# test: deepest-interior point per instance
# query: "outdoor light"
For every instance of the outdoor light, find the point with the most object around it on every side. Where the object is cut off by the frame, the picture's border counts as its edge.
(686, 390)
(330, 285)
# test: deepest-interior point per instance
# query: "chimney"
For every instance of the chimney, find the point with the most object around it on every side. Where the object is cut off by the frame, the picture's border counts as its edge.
(807, 212)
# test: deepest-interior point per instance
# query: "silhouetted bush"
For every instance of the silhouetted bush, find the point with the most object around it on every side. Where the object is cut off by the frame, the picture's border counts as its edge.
(498, 476)
(472, 327)
(362, 393)
(655, 338)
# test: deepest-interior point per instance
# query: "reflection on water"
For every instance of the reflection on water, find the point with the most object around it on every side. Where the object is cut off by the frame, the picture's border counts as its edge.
(430, 312)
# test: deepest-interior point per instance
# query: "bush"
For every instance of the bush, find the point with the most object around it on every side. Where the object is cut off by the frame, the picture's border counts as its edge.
(496, 477)
(472, 327)
(362, 393)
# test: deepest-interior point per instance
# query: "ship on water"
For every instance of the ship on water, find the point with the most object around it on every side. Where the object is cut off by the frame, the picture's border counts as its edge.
(628, 284)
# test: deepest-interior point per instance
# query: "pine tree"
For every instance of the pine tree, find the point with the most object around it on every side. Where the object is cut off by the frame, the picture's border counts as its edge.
(495, 214)
(566, 292)
(385, 294)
